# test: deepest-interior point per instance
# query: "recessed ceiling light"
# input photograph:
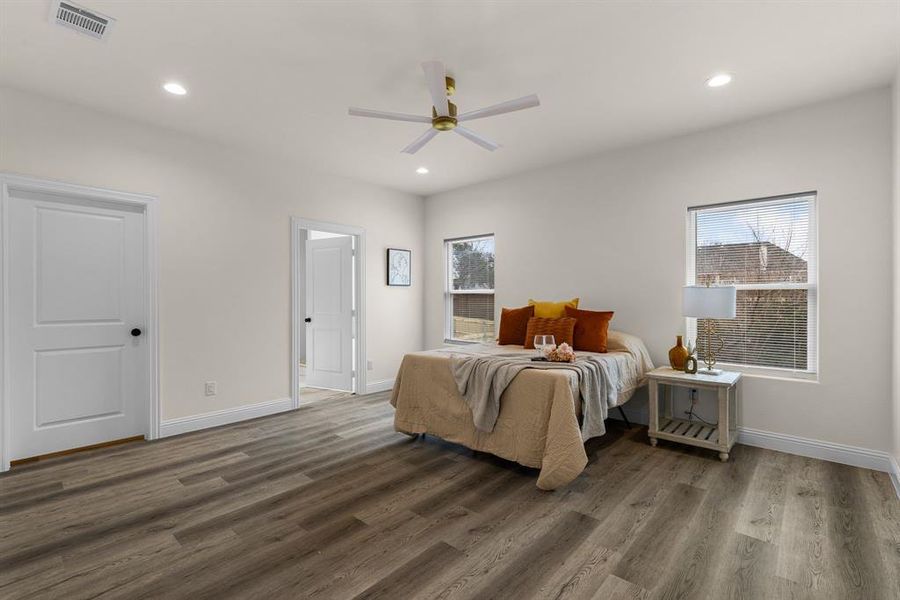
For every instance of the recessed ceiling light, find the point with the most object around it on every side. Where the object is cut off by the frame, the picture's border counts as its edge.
(719, 79)
(422, 171)
(173, 87)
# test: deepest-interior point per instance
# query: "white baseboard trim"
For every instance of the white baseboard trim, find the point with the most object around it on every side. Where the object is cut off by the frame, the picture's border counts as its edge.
(895, 475)
(383, 385)
(223, 417)
(830, 451)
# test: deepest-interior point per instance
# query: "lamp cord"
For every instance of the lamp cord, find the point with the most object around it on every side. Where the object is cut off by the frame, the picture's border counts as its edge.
(691, 414)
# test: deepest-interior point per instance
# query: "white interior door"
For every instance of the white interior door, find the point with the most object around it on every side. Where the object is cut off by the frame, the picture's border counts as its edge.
(78, 374)
(329, 313)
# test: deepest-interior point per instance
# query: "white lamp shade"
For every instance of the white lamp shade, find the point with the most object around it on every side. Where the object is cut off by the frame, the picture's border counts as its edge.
(719, 302)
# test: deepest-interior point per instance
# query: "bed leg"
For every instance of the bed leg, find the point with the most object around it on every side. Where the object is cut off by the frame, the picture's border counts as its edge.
(624, 418)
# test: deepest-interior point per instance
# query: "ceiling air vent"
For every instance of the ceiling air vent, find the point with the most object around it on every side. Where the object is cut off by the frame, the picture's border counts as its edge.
(80, 19)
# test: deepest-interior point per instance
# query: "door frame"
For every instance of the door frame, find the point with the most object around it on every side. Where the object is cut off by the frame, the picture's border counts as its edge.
(149, 205)
(297, 224)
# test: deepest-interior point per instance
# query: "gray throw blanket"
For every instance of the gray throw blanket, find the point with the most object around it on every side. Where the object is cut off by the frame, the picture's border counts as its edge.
(481, 380)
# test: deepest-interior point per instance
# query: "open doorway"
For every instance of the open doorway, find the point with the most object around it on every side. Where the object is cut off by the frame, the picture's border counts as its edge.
(328, 345)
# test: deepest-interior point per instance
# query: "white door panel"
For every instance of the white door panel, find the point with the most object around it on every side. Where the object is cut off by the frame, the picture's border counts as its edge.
(329, 305)
(59, 377)
(88, 288)
(77, 375)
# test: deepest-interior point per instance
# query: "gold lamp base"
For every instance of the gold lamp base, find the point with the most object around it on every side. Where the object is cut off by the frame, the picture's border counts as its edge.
(714, 345)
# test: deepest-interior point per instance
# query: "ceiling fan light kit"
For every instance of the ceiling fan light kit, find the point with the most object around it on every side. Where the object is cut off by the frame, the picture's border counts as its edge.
(444, 114)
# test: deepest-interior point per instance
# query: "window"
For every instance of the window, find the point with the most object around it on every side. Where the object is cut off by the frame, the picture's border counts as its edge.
(767, 250)
(470, 289)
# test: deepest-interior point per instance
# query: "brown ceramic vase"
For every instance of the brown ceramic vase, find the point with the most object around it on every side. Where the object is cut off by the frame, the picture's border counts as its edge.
(678, 354)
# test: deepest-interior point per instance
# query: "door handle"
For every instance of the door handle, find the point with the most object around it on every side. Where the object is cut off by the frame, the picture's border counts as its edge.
(136, 332)
(307, 320)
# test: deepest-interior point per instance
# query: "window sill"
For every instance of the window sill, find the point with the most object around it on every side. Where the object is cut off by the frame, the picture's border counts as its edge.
(460, 342)
(769, 373)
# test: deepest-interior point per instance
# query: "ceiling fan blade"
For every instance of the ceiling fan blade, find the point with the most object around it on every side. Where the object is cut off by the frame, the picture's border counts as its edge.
(474, 137)
(503, 107)
(420, 141)
(392, 116)
(436, 78)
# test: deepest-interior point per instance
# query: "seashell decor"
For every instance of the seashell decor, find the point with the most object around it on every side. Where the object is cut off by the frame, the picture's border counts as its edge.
(561, 353)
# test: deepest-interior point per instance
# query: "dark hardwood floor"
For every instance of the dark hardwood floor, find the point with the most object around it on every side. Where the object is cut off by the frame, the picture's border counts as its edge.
(329, 502)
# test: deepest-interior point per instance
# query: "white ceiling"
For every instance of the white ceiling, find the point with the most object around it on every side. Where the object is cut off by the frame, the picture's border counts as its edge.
(278, 76)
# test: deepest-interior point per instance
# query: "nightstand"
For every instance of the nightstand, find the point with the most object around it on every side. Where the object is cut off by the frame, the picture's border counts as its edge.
(719, 437)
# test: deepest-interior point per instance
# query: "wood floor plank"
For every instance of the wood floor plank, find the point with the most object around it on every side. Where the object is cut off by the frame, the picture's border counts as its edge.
(318, 492)
(588, 576)
(492, 541)
(219, 581)
(614, 588)
(706, 538)
(854, 549)
(540, 559)
(328, 502)
(648, 556)
(762, 512)
(351, 564)
(804, 543)
(392, 546)
(744, 571)
(879, 495)
(414, 574)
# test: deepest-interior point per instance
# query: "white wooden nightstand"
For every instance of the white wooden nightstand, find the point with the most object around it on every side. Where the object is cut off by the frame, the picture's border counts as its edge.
(719, 437)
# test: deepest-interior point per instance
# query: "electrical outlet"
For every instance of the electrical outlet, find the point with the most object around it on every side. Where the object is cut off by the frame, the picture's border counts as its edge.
(370, 365)
(210, 388)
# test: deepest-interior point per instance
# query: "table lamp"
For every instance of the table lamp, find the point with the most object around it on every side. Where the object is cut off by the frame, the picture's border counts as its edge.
(710, 302)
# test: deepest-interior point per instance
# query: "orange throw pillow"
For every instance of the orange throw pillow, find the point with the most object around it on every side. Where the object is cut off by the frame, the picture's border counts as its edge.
(591, 328)
(514, 324)
(561, 329)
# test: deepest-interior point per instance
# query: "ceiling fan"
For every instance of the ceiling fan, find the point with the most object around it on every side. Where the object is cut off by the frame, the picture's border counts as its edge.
(444, 115)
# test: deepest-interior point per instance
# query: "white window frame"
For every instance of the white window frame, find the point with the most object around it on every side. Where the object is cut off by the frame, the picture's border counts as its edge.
(811, 286)
(449, 292)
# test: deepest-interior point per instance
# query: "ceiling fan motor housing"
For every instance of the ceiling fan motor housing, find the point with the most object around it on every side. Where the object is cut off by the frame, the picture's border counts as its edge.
(444, 123)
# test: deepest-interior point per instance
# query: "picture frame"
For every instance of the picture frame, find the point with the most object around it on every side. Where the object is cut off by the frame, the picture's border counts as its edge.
(399, 267)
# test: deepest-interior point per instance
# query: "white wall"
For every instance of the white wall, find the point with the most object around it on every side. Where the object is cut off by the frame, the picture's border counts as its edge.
(225, 244)
(896, 232)
(622, 216)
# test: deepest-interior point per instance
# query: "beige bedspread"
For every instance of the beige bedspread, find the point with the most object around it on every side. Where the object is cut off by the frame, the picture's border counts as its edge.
(538, 421)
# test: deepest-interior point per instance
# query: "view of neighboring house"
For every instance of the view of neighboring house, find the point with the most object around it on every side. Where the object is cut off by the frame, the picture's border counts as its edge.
(750, 262)
(770, 322)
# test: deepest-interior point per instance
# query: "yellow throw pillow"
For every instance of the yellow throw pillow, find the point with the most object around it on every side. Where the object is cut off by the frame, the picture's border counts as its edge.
(552, 310)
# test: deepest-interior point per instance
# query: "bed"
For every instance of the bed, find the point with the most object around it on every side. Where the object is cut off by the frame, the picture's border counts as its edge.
(539, 421)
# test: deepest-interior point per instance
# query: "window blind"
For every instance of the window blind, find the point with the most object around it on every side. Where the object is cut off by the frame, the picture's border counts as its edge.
(472, 264)
(470, 289)
(767, 250)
